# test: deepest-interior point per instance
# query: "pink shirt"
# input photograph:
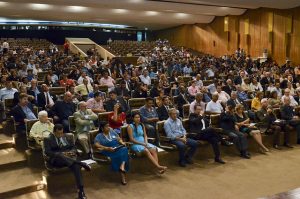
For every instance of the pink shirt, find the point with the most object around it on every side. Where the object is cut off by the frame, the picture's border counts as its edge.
(109, 82)
(93, 104)
(193, 90)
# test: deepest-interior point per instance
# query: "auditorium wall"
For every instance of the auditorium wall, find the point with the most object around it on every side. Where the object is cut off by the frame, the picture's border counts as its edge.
(255, 30)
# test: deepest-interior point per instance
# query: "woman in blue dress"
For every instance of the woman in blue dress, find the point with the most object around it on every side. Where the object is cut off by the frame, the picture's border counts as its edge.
(110, 144)
(137, 135)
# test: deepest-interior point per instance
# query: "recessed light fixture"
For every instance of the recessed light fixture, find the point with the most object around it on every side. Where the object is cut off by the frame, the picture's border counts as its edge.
(135, 1)
(39, 6)
(151, 13)
(181, 15)
(170, 10)
(76, 8)
(2, 3)
(120, 11)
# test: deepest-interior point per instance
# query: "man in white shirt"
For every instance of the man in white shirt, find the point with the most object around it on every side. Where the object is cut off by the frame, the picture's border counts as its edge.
(214, 106)
(223, 96)
(5, 47)
(198, 80)
(145, 78)
(287, 92)
(84, 76)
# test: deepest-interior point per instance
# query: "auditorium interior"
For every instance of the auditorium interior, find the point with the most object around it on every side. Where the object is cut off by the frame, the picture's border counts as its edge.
(149, 99)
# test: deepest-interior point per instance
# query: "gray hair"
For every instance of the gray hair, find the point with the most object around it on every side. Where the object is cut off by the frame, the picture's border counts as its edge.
(263, 100)
(172, 110)
(42, 113)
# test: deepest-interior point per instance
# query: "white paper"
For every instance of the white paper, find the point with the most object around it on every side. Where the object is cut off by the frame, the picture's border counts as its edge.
(89, 161)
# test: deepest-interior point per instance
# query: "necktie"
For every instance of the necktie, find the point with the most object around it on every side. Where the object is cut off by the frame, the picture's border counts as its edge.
(87, 89)
(47, 99)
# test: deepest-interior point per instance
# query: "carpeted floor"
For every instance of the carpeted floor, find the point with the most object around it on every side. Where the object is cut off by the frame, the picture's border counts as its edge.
(263, 175)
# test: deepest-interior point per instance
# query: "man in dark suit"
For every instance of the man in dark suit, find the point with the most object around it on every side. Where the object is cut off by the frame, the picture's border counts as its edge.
(292, 120)
(199, 126)
(45, 99)
(115, 99)
(163, 110)
(228, 88)
(63, 109)
(228, 124)
(22, 113)
(266, 124)
(62, 153)
(122, 90)
(34, 89)
(266, 80)
(233, 101)
(182, 99)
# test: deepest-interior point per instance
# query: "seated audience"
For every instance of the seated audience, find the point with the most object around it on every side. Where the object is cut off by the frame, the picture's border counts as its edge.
(223, 96)
(84, 89)
(193, 89)
(214, 106)
(274, 101)
(243, 123)
(292, 121)
(234, 100)
(117, 119)
(84, 120)
(228, 124)
(163, 110)
(182, 100)
(22, 113)
(62, 153)
(111, 145)
(255, 104)
(41, 128)
(45, 99)
(176, 132)
(287, 94)
(149, 118)
(122, 90)
(6, 93)
(96, 103)
(138, 136)
(116, 99)
(267, 123)
(198, 101)
(63, 109)
(199, 125)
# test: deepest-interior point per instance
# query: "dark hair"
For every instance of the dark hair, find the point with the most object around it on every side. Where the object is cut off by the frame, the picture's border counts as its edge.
(196, 105)
(113, 92)
(102, 125)
(96, 94)
(149, 99)
(58, 127)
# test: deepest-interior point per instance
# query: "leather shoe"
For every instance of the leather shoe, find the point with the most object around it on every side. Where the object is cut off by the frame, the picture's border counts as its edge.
(219, 160)
(81, 195)
(226, 142)
(189, 161)
(86, 166)
(276, 147)
(288, 146)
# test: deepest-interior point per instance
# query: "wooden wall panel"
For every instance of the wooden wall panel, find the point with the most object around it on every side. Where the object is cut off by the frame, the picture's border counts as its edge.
(202, 37)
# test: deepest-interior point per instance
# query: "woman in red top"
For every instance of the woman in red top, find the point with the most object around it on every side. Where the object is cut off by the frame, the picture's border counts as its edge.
(117, 119)
(65, 82)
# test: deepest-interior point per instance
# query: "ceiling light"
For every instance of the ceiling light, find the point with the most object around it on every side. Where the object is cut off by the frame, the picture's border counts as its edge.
(39, 6)
(181, 15)
(120, 11)
(135, 1)
(2, 4)
(151, 13)
(76, 8)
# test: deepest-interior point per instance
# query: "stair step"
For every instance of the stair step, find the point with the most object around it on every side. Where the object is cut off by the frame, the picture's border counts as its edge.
(42, 194)
(10, 158)
(20, 181)
(6, 141)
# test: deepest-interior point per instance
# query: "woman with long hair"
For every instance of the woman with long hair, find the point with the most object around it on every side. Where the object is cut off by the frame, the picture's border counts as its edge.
(111, 145)
(243, 123)
(137, 135)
